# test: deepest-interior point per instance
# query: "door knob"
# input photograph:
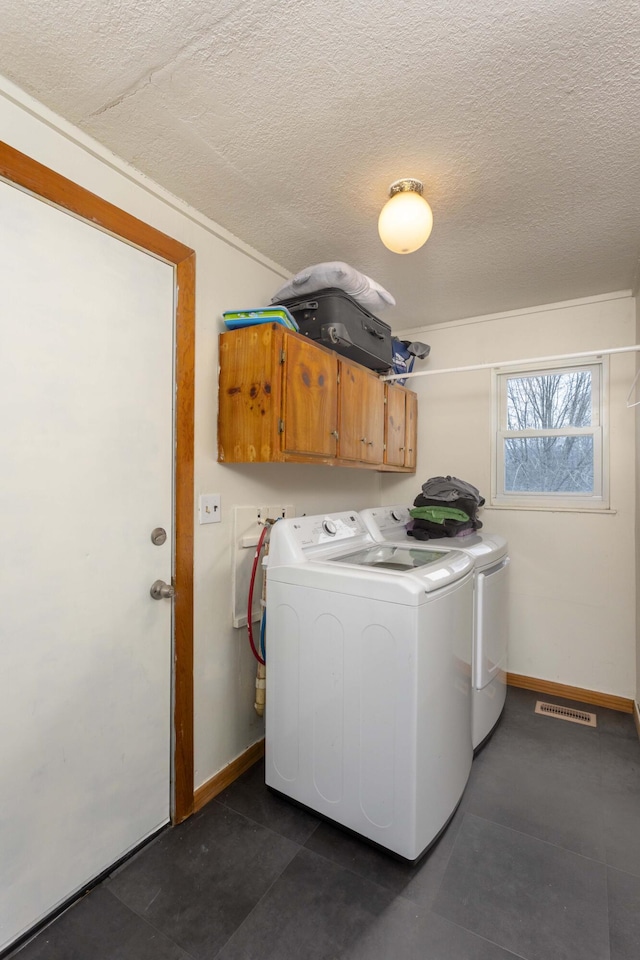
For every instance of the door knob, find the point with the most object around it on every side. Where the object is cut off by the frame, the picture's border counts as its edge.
(162, 591)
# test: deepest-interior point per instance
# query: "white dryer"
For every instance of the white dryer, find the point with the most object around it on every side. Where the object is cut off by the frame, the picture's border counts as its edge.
(490, 629)
(368, 711)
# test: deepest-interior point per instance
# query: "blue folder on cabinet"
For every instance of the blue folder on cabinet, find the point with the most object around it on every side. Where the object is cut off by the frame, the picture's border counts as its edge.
(248, 318)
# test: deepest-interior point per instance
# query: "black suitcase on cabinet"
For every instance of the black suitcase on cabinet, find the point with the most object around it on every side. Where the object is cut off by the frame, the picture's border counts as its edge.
(334, 319)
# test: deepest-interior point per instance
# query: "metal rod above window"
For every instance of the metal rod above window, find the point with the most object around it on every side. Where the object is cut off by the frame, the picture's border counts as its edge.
(516, 363)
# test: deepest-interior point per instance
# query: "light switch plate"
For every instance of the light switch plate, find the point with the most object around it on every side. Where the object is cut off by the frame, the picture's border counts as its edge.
(210, 509)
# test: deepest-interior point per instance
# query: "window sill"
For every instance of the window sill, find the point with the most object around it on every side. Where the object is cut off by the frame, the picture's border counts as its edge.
(610, 511)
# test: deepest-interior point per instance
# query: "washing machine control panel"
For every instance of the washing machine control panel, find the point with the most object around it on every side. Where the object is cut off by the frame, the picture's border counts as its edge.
(314, 531)
(300, 539)
(387, 522)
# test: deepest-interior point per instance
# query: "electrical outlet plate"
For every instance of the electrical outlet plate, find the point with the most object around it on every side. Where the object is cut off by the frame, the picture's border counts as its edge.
(274, 513)
(248, 524)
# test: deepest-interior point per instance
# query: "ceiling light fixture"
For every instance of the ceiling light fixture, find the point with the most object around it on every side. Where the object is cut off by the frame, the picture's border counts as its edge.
(406, 220)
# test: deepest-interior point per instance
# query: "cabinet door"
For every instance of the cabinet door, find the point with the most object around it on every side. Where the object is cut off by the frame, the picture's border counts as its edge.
(310, 402)
(351, 437)
(411, 430)
(249, 395)
(395, 426)
(373, 420)
(361, 414)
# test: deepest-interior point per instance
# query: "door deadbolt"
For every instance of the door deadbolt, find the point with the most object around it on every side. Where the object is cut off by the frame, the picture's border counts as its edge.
(162, 591)
(158, 536)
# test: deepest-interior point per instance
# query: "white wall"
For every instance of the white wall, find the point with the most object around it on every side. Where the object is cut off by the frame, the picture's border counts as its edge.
(635, 398)
(572, 611)
(229, 275)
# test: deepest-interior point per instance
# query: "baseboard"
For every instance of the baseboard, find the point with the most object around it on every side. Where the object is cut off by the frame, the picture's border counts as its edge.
(636, 716)
(621, 704)
(221, 780)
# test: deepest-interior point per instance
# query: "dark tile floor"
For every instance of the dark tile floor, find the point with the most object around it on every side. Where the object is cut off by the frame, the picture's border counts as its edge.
(540, 862)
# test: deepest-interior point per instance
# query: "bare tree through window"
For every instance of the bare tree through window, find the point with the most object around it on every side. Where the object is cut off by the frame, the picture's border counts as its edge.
(550, 462)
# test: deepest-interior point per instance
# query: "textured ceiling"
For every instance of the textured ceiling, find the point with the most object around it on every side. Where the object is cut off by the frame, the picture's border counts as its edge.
(286, 120)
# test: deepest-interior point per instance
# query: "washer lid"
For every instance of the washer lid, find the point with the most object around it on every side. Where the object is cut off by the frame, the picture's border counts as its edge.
(390, 524)
(390, 556)
(412, 586)
(428, 570)
(485, 548)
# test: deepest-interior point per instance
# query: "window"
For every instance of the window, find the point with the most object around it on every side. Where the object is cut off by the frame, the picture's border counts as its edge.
(549, 437)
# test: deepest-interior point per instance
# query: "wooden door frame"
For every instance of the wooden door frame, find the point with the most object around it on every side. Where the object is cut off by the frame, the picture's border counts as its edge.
(51, 186)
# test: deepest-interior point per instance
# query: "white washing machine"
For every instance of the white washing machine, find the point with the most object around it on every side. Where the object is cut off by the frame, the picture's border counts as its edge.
(368, 712)
(490, 629)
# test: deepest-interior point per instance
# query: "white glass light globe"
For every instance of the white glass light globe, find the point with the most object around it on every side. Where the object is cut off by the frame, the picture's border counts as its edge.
(405, 222)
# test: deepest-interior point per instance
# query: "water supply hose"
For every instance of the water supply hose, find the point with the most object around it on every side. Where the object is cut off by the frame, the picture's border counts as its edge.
(254, 569)
(261, 654)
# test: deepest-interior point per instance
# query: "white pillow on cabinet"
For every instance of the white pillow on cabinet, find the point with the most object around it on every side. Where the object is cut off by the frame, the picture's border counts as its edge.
(335, 273)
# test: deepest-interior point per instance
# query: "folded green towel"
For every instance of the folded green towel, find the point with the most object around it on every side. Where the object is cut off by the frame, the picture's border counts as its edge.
(438, 514)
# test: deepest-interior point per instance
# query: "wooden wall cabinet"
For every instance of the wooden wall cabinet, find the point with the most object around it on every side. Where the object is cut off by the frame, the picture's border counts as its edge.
(284, 398)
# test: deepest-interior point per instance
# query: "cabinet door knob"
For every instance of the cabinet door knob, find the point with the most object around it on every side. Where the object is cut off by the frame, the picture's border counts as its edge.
(363, 439)
(334, 433)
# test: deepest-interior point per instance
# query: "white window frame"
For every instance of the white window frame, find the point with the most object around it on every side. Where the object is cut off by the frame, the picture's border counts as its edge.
(599, 430)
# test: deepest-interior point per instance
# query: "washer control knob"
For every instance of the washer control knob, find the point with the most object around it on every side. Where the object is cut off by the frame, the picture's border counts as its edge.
(396, 515)
(329, 527)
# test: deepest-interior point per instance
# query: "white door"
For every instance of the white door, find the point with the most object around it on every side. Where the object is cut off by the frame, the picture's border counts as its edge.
(86, 425)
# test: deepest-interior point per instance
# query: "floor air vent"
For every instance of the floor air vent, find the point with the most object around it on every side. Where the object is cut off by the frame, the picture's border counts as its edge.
(566, 713)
